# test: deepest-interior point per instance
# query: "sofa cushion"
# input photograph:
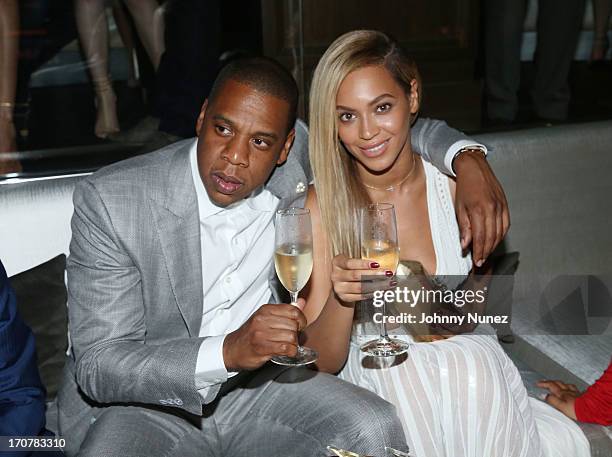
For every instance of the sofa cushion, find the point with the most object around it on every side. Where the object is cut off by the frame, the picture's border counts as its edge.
(558, 187)
(35, 221)
(41, 300)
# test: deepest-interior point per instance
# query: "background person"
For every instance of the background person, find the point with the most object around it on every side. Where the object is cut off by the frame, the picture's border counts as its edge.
(558, 28)
(22, 395)
(593, 405)
(93, 33)
(186, 72)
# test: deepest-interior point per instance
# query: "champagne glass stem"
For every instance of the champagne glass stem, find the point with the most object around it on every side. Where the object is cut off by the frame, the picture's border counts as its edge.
(383, 323)
(294, 298)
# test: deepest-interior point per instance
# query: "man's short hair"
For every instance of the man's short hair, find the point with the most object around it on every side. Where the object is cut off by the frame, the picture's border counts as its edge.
(262, 74)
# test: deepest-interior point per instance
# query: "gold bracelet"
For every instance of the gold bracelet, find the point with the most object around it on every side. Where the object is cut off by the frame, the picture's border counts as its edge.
(7, 105)
(470, 148)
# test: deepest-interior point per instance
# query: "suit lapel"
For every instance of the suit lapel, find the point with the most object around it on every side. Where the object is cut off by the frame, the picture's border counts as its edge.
(177, 223)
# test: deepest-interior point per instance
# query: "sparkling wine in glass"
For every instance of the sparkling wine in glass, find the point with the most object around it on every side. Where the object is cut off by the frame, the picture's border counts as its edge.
(293, 263)
(378, 233)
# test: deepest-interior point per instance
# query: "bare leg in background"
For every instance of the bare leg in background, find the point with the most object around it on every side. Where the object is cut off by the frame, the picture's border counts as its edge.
(9, 49)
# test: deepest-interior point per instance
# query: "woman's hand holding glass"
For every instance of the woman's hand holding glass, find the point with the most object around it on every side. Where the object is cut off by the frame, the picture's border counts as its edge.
(347, 277)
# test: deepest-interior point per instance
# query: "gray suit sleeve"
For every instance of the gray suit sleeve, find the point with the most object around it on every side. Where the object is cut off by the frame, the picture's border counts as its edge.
(432, 139)
(107, 320)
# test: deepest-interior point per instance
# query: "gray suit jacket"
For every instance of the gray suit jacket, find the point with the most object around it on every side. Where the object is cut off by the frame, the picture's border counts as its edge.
(135, 274)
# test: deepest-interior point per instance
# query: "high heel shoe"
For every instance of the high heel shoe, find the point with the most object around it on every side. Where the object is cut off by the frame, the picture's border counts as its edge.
(599, 49)
(107, 123)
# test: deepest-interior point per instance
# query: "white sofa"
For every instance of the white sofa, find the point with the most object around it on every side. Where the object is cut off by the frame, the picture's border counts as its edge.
(35, 221)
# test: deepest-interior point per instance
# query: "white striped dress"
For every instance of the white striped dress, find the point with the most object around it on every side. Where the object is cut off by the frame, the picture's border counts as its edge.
(463, 396)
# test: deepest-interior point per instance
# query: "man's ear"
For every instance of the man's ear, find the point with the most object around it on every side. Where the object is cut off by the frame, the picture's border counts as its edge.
(286, 147)
(200, 120)
(413, 97)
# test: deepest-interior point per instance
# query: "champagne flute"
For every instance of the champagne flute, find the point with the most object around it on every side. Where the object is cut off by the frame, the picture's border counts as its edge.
(378, 232)
(293, 263)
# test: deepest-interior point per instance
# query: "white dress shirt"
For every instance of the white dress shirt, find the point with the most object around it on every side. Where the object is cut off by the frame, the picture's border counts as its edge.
(237, 245)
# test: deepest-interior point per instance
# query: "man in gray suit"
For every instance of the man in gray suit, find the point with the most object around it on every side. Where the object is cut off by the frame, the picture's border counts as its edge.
(169, 281)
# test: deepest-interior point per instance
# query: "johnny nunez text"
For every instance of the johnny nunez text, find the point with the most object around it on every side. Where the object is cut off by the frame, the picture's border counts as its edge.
(428, 318)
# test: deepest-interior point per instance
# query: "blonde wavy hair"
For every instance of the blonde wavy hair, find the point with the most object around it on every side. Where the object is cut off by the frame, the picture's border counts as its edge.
(339, 193)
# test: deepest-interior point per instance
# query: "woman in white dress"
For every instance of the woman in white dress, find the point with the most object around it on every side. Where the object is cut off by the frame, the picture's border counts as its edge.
(460, 396)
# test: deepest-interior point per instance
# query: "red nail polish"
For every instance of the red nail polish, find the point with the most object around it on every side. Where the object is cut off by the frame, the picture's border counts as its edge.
(374, 265)
(393, 283)
(388, 273)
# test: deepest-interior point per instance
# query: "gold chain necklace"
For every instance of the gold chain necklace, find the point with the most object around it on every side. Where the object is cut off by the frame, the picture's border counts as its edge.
(393, 187)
